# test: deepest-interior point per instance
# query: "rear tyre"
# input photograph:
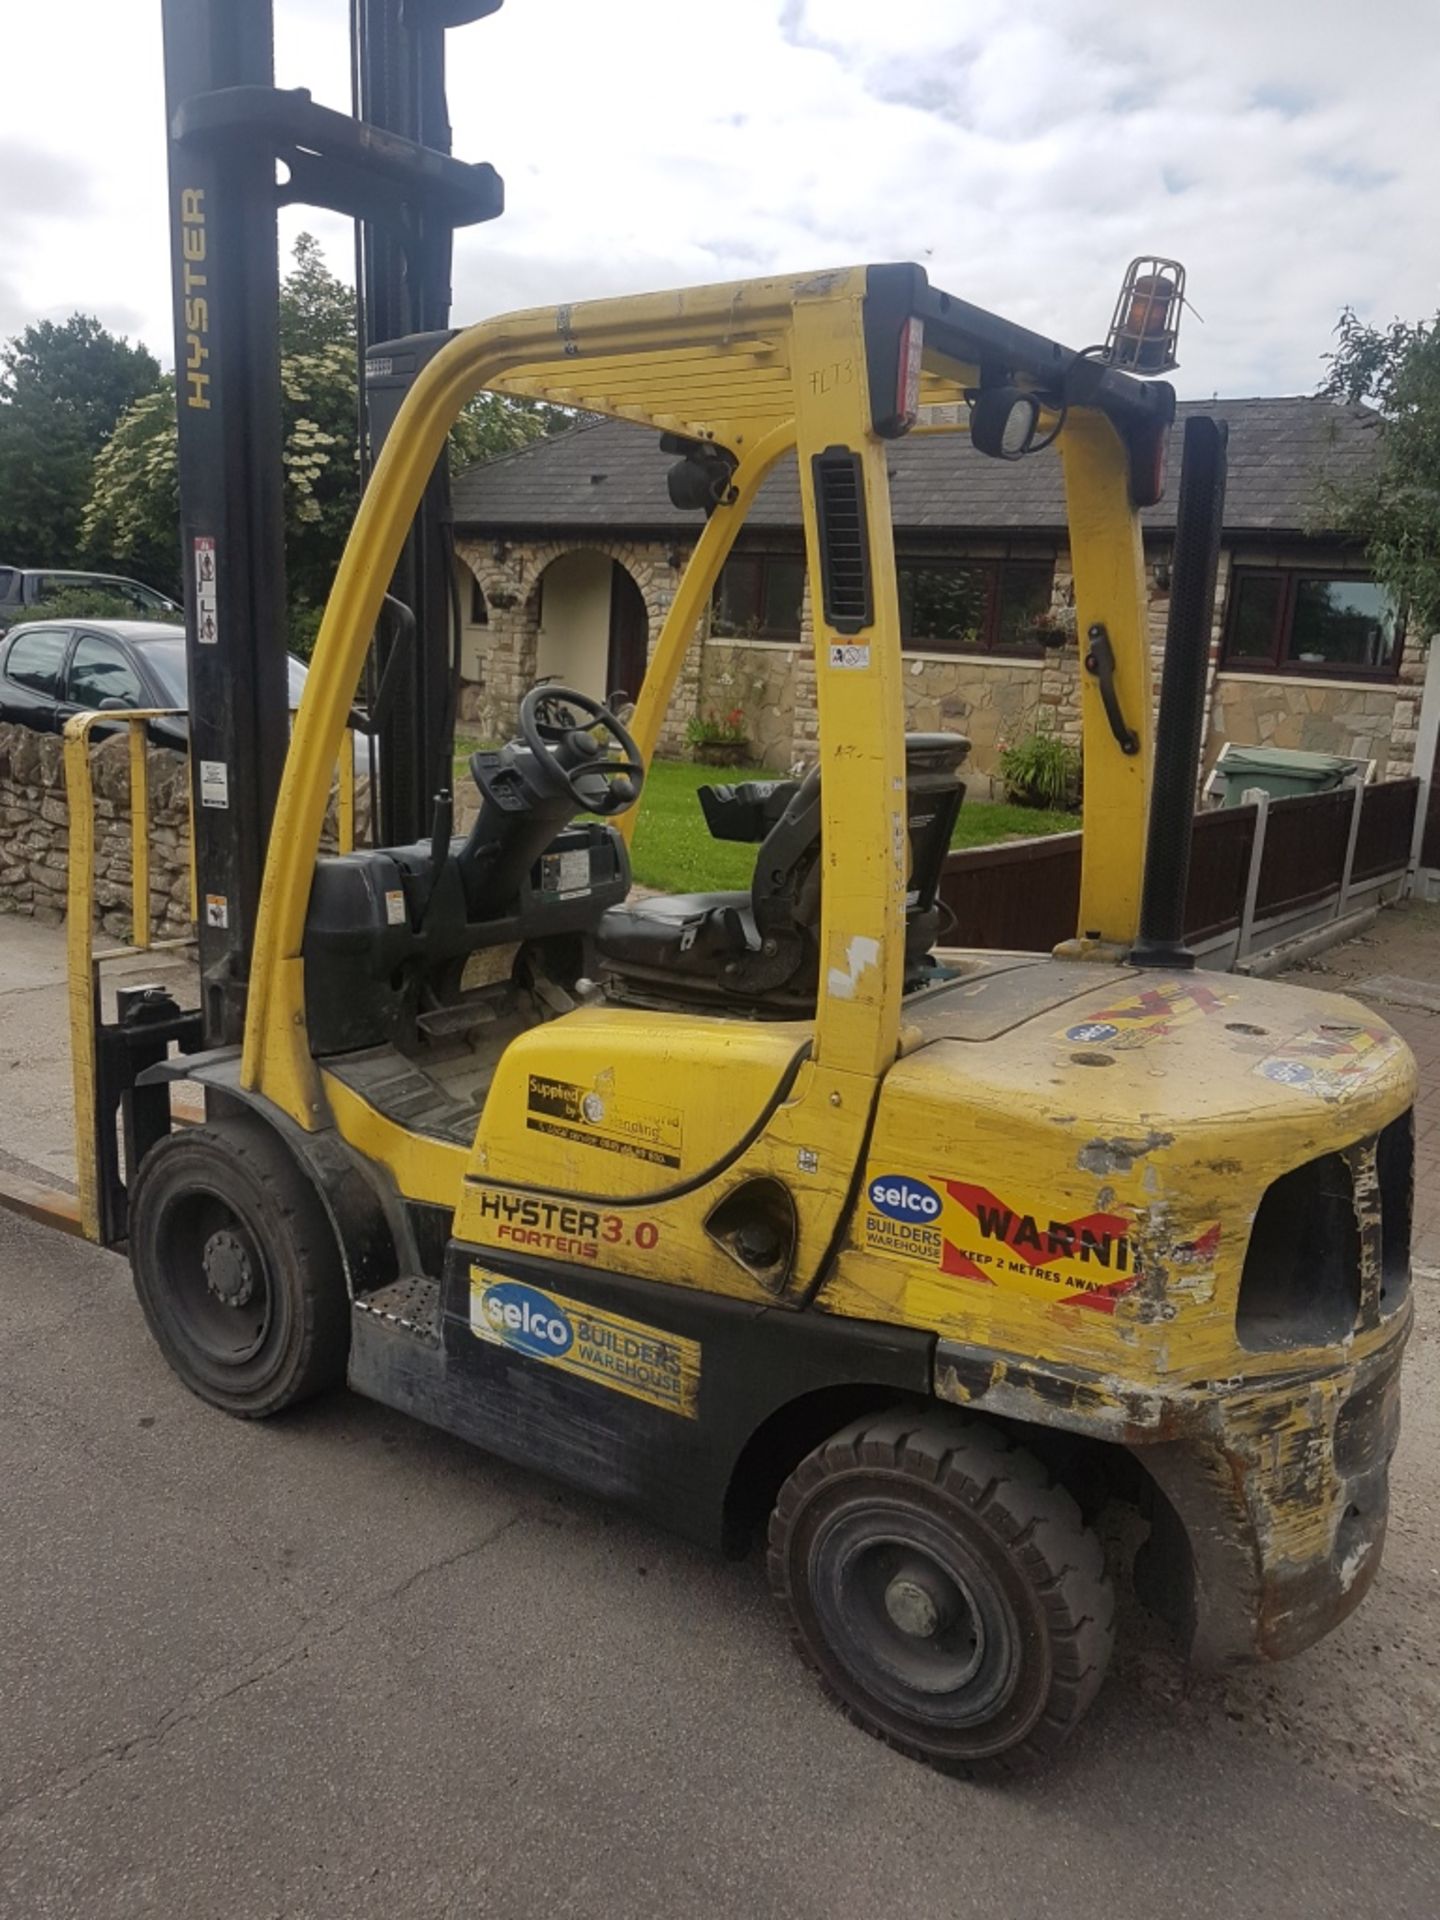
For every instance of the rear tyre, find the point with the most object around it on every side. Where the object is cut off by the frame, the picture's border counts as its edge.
(237, 1268)
(945, 1590)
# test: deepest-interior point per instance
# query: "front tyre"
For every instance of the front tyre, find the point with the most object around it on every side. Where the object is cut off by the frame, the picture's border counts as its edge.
(944, 1588)
(237, 1268)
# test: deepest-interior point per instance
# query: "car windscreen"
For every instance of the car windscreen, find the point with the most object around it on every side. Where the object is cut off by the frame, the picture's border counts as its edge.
(167, 659)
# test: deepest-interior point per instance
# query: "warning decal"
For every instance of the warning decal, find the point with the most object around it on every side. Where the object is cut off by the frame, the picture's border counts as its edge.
(992, 1238)
(1331, 1060)
(1147, 1015)
(1085, 1262)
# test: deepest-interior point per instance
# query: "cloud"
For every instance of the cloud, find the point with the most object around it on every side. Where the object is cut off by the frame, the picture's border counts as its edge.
(1024, 150)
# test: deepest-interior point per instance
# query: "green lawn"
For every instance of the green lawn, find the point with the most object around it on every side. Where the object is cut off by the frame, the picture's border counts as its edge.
(673, 851)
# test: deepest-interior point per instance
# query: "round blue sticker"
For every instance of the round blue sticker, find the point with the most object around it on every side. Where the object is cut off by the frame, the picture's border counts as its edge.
(899, 1197)
(1092, 1031)
(1290, 1073)
(526, 1319)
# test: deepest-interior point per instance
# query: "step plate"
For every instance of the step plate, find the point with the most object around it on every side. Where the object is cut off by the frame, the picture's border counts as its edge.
(412, 1303)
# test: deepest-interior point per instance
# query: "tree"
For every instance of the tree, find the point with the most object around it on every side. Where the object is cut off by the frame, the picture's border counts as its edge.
(63, 387)
(494, 423)
(133, 511)
(1396, 509)
(317, 310)
(134, 504)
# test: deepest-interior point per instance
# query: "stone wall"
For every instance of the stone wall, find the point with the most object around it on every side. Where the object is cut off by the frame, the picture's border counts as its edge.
(35, 829)
(509, 573)
(35, 832)
(758, 677)
(993, 700)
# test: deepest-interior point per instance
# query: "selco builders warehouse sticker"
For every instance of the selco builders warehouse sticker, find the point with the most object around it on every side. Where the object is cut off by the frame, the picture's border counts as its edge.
(659, 1368)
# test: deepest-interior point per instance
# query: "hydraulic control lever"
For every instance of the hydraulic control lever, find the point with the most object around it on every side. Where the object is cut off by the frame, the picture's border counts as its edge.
(442, 827)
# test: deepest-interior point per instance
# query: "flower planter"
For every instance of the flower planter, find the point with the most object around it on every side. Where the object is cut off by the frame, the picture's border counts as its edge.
(722, 753)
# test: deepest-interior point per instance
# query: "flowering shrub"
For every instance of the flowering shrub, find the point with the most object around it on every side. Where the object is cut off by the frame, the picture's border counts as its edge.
(717, 729)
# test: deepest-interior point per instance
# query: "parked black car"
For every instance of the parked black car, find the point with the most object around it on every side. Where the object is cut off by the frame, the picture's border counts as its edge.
(24, 587)
(51, 670)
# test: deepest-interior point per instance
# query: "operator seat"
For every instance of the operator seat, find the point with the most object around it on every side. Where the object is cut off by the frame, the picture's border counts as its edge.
(762, 947)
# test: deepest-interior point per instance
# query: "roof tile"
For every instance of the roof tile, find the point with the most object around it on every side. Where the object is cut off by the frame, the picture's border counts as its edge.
(608, 475)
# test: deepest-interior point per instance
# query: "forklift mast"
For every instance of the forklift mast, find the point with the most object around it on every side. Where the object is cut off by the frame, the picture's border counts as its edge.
(402, 280)
(230, 132)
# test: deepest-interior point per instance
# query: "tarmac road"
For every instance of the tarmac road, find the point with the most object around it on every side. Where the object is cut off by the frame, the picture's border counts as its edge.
(338, 1664)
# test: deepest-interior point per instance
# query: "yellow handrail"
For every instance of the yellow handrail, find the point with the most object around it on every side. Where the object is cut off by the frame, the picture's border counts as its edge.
(82, 988)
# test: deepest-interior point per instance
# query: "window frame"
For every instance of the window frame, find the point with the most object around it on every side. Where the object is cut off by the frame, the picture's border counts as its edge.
(994, 569)
(62, 678)
(762, 558)
(81, 635)
(1282, 630)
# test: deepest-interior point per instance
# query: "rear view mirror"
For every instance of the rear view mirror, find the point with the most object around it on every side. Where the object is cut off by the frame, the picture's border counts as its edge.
(112, 703)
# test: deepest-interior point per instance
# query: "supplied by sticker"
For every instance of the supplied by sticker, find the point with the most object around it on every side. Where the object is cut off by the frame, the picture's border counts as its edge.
(662, 1369)
(637, 1128)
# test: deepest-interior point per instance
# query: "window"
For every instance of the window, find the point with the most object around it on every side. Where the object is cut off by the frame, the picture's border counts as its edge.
(479, 612)
(35, 659)
(983, 606)
(99, 671)
(1282, 622)
(758, 597)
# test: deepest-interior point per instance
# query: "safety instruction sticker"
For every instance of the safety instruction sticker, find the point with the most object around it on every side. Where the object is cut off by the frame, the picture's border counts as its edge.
(1332, 1059)
(207, 628)
(599, 1117)
(214, 784)
(565, 874)
(1011, 1240)
(1147, 1015)
(850, 657)
(662, 1369)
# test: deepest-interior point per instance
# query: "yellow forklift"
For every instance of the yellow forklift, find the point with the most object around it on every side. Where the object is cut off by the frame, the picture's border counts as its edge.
(766, 1210)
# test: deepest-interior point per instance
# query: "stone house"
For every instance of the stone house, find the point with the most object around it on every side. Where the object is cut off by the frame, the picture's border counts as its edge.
(570, 553)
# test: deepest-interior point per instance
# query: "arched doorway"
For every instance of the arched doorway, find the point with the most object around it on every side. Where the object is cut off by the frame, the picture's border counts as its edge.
(592, 627)
(629, 649)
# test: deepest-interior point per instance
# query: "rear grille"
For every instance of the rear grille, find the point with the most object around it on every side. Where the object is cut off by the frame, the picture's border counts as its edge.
(1395, 1166)
(844, 545)
(1330, 1248)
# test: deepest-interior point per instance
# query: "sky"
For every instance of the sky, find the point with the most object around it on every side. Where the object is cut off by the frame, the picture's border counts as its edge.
(1285, 150)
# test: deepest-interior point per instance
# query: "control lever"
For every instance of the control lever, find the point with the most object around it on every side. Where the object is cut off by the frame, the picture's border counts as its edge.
(442, 827)
(1100, 660)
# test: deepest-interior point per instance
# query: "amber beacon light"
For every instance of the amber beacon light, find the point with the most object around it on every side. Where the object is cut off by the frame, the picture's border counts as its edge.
(1145, 326)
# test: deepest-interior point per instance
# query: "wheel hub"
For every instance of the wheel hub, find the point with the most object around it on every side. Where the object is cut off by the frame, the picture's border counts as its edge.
(918, 1604)
(229, 1269)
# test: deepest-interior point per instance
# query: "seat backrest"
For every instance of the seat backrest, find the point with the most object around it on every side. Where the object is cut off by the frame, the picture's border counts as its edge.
(785, 890)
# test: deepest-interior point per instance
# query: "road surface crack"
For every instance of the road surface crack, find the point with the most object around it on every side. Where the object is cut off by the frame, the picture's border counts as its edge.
(214, 1693)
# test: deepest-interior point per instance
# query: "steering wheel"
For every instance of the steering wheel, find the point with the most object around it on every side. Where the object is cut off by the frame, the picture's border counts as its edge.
(572, 756)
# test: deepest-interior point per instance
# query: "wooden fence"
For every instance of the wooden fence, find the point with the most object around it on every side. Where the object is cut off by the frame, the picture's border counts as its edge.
(1259, 874)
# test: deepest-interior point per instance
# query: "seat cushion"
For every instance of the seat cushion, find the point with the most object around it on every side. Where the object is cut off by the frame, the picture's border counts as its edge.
(689, 933)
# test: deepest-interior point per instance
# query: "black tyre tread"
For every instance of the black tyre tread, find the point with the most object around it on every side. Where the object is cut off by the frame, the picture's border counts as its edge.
(1011, 1489)
(319, 1360)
